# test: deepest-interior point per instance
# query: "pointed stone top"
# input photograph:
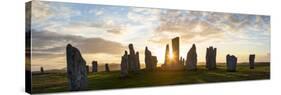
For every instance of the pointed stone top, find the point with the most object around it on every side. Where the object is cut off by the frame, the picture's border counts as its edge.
(193, 45)
(126, 53)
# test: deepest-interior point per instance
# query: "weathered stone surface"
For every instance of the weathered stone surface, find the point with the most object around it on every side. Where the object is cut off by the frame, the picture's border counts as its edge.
(191, 58)
(76, 69)
(150, 61)
(211, 54)
(252, 61)
(133, 61)
(176, 50)
(124, 65)
(107, 68)
(41, 69)
(94, 66)
(231, 62)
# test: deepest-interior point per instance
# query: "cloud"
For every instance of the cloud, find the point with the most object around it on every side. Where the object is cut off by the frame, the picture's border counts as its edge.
(51, 43)
(43, 11)
(191, 25)
(40, 10)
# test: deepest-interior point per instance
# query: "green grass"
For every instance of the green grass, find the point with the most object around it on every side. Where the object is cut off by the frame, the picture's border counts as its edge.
(57, 82)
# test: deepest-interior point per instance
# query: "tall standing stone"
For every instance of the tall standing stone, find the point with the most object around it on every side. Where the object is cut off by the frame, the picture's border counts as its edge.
(191, 58)
(133, 64)
(167, 57)
(107, 68)
(150, 61)
(76, 69)
(252, 61)
(231, 62)
(94, 66)
(176, 52)
(124, 65)
(41, 69)
(138, 61)
(211, 54)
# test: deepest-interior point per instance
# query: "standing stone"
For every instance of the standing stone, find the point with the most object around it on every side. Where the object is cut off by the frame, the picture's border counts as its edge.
(94, 66)
(107, 68)
(167, 57)
(147, 59)
(191, 58)
(124, 65)
(87, 69)
(41, 69)
(132, 59)
(150, 61)
(154, 62)
(252, 61)
(176, 52)
(231, 62)
(76, 69)
(211, 58)
(138, 61)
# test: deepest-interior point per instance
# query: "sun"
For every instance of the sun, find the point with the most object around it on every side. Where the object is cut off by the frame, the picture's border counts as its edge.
(171, 56)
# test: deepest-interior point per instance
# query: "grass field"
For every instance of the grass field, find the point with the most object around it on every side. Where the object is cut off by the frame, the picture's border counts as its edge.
(57, 82)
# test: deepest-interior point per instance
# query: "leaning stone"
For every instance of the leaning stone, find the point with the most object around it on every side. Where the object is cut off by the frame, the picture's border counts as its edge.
(76, 69)
(191, 58)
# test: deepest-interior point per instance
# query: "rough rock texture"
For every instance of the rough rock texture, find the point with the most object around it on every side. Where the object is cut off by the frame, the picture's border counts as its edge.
(76, 69)
(150, 61)
(94, 66)
(133, 61)
(124, 65)
(211, 54)
(176, 50)
(231, 62)
(107, 68)
(191, 58)
(41, 69)
(252, 61)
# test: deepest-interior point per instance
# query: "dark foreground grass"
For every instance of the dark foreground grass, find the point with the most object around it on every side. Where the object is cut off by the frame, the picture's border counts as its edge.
(57, 82)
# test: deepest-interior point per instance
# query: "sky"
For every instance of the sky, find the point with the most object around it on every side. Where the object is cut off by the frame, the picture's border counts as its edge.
(103, 33)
